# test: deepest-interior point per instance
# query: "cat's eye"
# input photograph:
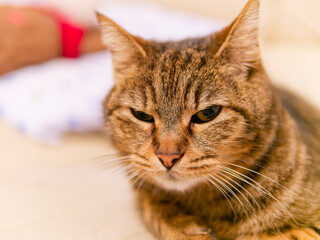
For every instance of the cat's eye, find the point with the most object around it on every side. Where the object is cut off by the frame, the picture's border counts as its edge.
(142, 116)
(206, 115)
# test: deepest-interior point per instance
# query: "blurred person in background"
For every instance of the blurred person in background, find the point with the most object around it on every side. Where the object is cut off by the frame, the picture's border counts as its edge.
(35, 31)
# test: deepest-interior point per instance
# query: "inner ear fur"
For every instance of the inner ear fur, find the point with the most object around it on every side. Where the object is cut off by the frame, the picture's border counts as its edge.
(239, 41)
(126, 49)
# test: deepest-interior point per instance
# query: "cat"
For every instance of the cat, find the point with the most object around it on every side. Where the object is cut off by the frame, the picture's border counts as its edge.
(215, 151)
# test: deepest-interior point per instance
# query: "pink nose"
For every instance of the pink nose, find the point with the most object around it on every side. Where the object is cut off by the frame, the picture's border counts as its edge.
(168, 160)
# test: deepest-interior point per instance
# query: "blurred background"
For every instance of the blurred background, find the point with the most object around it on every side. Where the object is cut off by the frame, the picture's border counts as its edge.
(56, 182)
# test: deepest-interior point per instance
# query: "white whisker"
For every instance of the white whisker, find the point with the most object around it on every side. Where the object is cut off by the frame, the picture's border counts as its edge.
(245, 208)
(223, 192)
(263, 190)
(134, 174)
(270, 179)
(116, 170)
(105, 162)
(139, 178)
(84, 161)
(251, 206)
(222, 169)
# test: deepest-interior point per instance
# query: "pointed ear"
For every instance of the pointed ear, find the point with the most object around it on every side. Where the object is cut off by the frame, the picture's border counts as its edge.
(125, 48)
(240, 45)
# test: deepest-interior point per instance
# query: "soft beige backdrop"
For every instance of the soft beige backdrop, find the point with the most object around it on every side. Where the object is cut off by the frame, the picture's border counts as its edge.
(42, 200)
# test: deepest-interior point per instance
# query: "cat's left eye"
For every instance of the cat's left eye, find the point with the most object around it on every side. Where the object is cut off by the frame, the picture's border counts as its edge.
(206, 115)
(142, 116)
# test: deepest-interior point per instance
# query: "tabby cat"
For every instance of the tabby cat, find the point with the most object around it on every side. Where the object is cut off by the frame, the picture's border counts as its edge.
(215, 150)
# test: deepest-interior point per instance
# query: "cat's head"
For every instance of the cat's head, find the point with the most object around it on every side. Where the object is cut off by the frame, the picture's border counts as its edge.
(185, 110)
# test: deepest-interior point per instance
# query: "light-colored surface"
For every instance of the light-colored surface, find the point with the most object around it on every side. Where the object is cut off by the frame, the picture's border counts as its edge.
(39, 199)
(43, 197)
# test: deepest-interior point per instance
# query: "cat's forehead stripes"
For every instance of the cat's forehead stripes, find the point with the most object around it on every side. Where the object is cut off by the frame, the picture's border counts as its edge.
(178, 79)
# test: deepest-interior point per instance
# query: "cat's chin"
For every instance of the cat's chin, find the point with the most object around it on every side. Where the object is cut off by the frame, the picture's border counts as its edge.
(170, 183)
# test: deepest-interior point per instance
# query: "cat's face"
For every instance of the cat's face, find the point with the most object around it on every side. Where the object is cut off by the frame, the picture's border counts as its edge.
(184, 109)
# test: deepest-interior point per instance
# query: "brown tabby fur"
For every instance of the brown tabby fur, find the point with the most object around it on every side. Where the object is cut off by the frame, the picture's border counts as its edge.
(251, 173)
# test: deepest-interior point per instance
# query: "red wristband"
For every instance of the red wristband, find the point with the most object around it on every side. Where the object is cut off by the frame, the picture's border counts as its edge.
(71, 37)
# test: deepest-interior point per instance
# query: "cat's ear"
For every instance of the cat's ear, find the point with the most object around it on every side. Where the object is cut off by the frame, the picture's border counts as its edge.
(240, 40)
(125, 49)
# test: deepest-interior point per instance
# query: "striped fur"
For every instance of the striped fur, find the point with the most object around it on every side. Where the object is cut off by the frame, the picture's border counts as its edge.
(251, 172)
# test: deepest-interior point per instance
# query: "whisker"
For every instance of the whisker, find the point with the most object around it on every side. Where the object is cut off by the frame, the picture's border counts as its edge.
(241, 160)
(223, 192)
(134, 174)
(270, 179)
(250, 195)
(106, 162)
(213, 156)
(84, 161)
(110, 164)
(119, 169)
(222, 169)
(141, 182)
(245, 208)
(250, 204)
(263, 190)
(141, 164)
(139, 178)
(109, 155)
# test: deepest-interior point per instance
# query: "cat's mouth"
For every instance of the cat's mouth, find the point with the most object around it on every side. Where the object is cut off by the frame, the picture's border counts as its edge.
(171, 181)
(171, 176)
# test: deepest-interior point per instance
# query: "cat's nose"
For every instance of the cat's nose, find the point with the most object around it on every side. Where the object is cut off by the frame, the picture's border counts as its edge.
(168, 159)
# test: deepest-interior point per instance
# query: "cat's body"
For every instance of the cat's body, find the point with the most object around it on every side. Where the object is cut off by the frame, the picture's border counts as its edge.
(215, 149)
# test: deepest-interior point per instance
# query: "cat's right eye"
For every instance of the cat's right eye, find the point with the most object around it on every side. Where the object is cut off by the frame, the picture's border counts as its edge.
(142, 116)
(206, 115)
